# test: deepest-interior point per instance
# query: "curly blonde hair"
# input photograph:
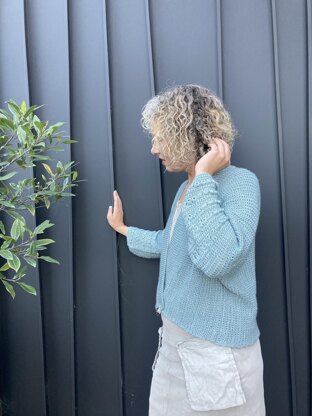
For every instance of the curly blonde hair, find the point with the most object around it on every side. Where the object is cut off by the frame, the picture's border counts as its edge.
(184, 119)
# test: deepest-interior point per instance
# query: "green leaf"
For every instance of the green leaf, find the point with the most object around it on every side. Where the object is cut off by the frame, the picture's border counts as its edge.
(8, 239)
(13, 107)
(7, 176)
(31, 209)
(27, 288)
(57, 125)
(38, 125)
(6, 254)
(17, 229)
(6, 123)
(32, 248)
(4, 267)
(2, 227)
(20, 273)
(59, 164)
(69, 141)
(42, 157)
(14, 263)
(9, 288)
(6, 244)
(41, 227)
(47, 203)
(24, 107)
(43, 241)
(49, 259)
(21, 134)
(28, 132)
(31, 261)
(57, 149)
(15, 214)
(31, 109)
(48, 169)
(7, 204)
(6, 113)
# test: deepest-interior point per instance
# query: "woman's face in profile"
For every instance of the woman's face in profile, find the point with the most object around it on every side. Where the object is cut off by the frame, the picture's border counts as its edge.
(157, 151)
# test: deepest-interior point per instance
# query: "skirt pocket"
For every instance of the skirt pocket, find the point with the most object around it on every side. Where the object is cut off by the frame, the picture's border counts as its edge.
(211, 375)
(160, 331)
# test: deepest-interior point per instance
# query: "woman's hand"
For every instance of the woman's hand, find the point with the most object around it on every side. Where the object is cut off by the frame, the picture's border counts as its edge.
(216, 159)
(115, 217)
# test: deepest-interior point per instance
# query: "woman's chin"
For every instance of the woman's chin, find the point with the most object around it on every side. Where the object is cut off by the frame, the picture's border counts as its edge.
(171, 168)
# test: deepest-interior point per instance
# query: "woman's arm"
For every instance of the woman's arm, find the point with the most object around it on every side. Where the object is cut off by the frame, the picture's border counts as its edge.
(220, 233)
(144, 243)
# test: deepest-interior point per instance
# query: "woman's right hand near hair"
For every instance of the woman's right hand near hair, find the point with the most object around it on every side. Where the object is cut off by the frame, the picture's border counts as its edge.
(115, 215)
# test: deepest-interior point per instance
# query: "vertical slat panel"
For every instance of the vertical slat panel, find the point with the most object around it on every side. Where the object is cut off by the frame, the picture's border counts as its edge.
(98, 355)
(309, 176)
(49, 80)
(282, 179)
(22, 346)
(284, 241)
(290, 46)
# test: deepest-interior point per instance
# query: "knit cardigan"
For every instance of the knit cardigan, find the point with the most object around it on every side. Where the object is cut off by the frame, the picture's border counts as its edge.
(207, 279)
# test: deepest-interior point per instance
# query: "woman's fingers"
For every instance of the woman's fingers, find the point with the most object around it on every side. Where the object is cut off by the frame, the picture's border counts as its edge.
(115, 213)
(117, 200)
(226, 147)
(223, 149)
(216, 147)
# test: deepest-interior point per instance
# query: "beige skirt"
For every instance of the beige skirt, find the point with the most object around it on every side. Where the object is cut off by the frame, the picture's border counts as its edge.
(193, 376)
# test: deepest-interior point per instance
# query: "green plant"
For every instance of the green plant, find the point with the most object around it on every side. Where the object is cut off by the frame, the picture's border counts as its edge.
(23, 137)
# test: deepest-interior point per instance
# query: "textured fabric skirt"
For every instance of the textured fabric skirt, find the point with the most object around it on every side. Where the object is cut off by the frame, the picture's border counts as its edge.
(193, 376)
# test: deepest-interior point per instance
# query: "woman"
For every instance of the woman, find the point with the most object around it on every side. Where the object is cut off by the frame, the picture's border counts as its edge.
(209, 359)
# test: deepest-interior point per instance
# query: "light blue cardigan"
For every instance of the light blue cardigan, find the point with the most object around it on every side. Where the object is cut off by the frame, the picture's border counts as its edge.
(207, 278)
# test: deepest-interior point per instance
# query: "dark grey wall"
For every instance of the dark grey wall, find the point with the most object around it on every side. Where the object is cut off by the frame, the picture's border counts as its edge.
(85, 345)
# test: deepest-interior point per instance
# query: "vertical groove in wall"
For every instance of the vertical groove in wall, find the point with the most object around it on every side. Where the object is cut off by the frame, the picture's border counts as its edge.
(219, 49)
(112, 176)
(284, 208)
(309, 170)
(36, 271)
(72, 297)
(153, 91)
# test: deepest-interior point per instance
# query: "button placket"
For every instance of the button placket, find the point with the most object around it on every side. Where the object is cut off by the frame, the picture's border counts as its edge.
(167, 239)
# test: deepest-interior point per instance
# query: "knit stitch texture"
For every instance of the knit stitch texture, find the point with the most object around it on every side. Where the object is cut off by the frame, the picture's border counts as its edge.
(207, 277)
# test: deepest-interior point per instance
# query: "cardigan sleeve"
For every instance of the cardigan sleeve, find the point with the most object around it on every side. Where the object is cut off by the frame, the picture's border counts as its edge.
(144, 243)
(221, 231)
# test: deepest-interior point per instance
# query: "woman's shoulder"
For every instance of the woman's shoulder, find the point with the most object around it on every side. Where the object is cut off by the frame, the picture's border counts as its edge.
(237, 173)
(237, 178)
